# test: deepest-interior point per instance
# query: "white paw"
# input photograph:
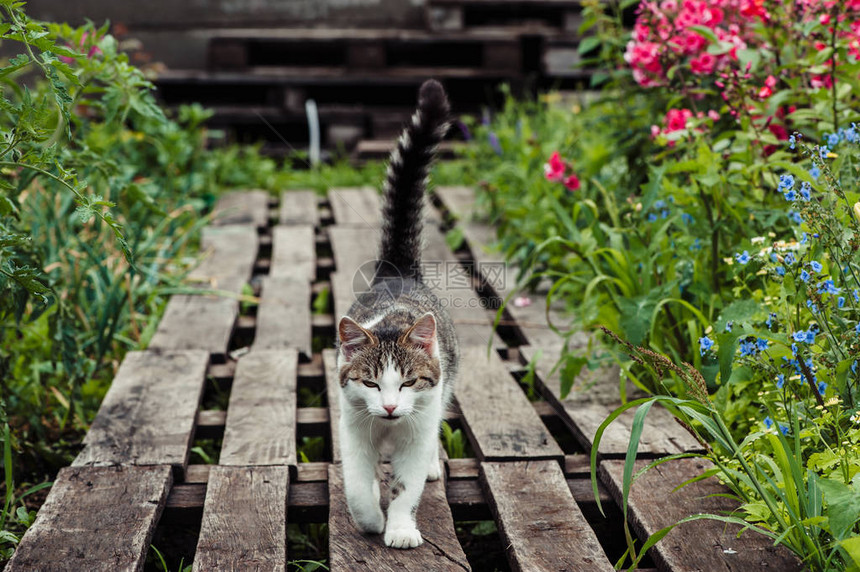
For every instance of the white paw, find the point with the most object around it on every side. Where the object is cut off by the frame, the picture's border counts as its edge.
(435, 471)
(403, 537)
(373, 523)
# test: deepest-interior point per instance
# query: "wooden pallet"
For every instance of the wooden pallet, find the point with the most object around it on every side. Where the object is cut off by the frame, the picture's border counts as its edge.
(364, 49)
(545, 17)
(529, 474)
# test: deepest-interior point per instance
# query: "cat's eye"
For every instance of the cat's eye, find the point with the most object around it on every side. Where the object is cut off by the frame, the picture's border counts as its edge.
(409, 383)
(370, 384)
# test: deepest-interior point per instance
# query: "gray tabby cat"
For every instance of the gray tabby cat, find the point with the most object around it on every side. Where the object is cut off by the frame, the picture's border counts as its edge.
(397, 351)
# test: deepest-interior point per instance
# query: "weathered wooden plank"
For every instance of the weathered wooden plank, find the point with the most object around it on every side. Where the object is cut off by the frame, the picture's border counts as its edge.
(500, 421)
(294, 252)
(95, 518)
(228, 253)
(541, 526)
(350, 549)
(593, 397)
(354, 250)
(353, 247)
(196, 322)
(242, 208)
(701, 545)
(284, 315)
(332, 386)
(453, 284)
(528, 309)
(356, 207)
(148, 414)
(261, 416)
(298, 207)
(244, 520)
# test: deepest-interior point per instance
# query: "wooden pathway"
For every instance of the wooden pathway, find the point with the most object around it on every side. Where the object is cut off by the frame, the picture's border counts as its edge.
(529, 473)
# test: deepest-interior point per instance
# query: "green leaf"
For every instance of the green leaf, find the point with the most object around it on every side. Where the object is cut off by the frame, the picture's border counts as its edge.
(588, 44)
(570, 370)
(843, 505)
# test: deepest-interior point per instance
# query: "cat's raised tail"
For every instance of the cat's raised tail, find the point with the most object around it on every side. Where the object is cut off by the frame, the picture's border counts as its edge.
(406, 181)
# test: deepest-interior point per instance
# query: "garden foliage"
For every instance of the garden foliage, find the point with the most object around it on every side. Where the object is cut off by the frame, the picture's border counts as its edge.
(101, 195)
(702, 206)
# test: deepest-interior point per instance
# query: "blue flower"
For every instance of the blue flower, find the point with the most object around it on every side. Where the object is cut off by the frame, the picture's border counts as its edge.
(795, 216)
(780, 381)
(661, 204)
(823, 151)
(804, 275)
(816, 266)
(805, 190)
(780, 270)
(804, 238)
(748, 348)
(822, 387)
(851, 133)
(664, 213)
(697, 245)
(768, 422)
(687, 218)
(815, 172)
(790, 258)
(729, 325)
(790, 195)
(792, 141)
(786, 181)
(854, 367)
(857, 329)
(652, 217)
(833, 139)
(705, 344)
(828, 287)
(840, 301)
(806, 336)
(494, 143)
(743, 258)
(856, 293)
(813, 307)
(783, 428)
(762, 344)
(771, 318)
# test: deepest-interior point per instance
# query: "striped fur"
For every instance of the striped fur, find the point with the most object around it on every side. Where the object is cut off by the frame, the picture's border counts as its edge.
(406, 182)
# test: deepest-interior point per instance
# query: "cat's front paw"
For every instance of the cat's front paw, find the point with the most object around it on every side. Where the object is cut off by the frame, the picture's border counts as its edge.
(372, 523)
(435, 471)
(405, 537)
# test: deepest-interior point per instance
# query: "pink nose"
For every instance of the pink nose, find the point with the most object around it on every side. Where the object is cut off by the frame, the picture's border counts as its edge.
(390, 408)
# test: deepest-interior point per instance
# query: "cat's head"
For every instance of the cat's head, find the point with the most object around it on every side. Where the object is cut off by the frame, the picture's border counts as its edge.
(390, 373)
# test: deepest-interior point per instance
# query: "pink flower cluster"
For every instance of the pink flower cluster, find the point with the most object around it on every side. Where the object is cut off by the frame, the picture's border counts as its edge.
(82, 48)
(679, 119)
(664, 34)
(669, 33)
(555, 169)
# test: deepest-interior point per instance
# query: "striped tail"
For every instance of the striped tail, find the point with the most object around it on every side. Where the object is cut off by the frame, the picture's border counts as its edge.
(406, 181)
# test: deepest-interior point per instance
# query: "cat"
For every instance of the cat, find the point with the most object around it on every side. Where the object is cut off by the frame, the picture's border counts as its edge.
(397, 353)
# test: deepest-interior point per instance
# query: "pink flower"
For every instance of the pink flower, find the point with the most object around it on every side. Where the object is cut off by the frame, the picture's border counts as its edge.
(572, 182)
(764, 92)
(676, 119)
(554, 168)
(714, 115)
(522, 301)
(704, 64)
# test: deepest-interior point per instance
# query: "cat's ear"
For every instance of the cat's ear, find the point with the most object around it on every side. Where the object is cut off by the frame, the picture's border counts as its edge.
(353, 337)
(422, 334)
